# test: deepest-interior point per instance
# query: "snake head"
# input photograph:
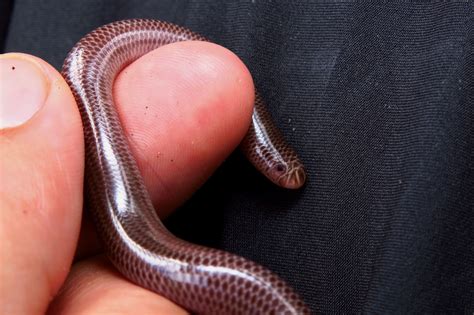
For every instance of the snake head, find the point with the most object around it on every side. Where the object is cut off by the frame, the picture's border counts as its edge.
(287, 175)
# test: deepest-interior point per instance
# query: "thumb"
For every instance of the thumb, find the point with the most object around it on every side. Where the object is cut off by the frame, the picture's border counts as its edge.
(41, 173)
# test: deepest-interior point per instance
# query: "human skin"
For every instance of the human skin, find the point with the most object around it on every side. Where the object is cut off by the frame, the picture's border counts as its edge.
(184, 108)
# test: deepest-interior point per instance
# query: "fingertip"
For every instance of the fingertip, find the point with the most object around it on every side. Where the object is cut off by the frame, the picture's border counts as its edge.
(41, 153)
(185, 107)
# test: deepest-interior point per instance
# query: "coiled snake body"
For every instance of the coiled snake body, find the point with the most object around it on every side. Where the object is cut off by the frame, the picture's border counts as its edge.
(200, 279)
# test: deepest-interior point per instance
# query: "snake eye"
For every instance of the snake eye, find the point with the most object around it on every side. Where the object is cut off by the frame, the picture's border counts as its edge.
(280, 168)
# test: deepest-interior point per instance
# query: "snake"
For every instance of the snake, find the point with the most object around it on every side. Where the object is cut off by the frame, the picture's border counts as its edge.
(200, 279)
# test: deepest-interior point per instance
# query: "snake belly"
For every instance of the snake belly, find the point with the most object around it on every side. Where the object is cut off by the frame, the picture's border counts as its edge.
(200, 279)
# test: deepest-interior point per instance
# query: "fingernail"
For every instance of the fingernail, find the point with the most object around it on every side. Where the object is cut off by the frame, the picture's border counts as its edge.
(24, 88)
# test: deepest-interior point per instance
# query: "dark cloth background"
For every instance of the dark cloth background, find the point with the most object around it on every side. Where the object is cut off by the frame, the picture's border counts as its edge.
(378, 101)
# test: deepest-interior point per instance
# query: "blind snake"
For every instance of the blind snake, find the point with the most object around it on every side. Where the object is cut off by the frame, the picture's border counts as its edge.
(200, 279)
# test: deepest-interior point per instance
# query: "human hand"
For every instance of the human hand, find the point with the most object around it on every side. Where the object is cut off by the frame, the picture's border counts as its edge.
(184, 108)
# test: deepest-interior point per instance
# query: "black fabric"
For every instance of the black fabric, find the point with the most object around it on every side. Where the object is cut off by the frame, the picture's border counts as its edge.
(377, 100)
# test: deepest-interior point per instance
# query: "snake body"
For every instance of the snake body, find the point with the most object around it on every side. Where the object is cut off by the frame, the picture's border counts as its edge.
(200, 279)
